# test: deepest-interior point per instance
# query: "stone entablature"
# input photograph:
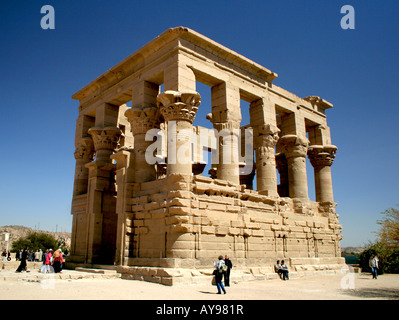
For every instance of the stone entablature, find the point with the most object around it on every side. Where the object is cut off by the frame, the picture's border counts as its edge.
(143, 198)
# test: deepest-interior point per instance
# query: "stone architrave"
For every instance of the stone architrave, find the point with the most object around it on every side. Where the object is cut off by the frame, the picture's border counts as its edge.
(322, 158)
(266, 160)
(295, 149)
(178, 110)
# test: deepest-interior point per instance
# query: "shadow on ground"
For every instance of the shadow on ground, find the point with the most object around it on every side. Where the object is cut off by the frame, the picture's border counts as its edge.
(207, 292)
(372, 293)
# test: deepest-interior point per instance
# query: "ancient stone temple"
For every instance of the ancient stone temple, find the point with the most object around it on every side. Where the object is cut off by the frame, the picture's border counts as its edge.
(142, 197)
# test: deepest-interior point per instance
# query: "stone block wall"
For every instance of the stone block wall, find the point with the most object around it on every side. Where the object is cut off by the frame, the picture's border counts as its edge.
(208, 217)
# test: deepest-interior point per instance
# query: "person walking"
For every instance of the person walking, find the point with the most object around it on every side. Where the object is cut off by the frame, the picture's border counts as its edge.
(40, 255)
(43, 267)
(284, 270)
(218, 272)
(48, 261)
(30, 256)
(22, 266)
(57, 261)
(226, 274)
(373, 263)
(37, 255)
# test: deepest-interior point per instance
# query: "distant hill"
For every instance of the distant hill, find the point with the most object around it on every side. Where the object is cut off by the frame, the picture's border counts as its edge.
(17, 232)
(352, 250)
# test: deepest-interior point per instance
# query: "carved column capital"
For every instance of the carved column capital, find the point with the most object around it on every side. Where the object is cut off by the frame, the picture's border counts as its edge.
(321, 156)
(267, 139)
(142, 120)
(176, 105)
(294, 146)
(105, 138)
(85, 149)
(228, 125)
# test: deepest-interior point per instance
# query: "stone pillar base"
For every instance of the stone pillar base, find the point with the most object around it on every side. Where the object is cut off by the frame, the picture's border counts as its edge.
(176, 276)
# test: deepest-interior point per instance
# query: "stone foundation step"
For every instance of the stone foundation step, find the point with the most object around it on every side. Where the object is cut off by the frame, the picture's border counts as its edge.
(94, 270)
(35, 276)
(181, 276)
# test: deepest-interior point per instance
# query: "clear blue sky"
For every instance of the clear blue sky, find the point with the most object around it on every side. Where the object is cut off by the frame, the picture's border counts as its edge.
(356, 70)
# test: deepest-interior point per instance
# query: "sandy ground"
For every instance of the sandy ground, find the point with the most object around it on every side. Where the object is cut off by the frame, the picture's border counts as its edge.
(326, 287)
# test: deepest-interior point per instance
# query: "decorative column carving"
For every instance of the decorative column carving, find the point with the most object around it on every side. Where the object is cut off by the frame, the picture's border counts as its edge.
(178, 109)
(101, 197)
(141, 121)
(266, 176)
(321, 158)
(84, 153)
(295, 149)
(105, 142)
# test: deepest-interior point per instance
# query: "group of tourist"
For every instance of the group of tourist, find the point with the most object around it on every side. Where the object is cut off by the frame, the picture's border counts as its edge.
(282, 270)
(52, 262)
(222, 270)
(33, 256)
(6, 255)
(224, 266)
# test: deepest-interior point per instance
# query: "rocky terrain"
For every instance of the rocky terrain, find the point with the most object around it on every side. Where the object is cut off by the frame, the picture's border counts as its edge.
(352, 250)
(17, 232)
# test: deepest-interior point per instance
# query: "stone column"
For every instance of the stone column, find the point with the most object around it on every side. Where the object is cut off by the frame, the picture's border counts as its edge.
(178, 110)
(321, 158)
(295, 149)
(84, 154)
(282, 167)
(142, 120)
(266, 177)
(101, 197)
(226, 118)
(122, 159)
(228, 167)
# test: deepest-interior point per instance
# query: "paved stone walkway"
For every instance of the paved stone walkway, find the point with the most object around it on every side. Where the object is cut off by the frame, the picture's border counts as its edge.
(78, 285)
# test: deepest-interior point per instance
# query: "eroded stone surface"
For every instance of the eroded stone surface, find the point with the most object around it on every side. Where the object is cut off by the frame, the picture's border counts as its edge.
(135, 213)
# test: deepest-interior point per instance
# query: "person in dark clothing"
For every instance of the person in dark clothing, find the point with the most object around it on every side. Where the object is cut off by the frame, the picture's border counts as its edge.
(284, 270)
(218, 273)
(277, 269)
(229, 265)
(22, 265)
(58, 260)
